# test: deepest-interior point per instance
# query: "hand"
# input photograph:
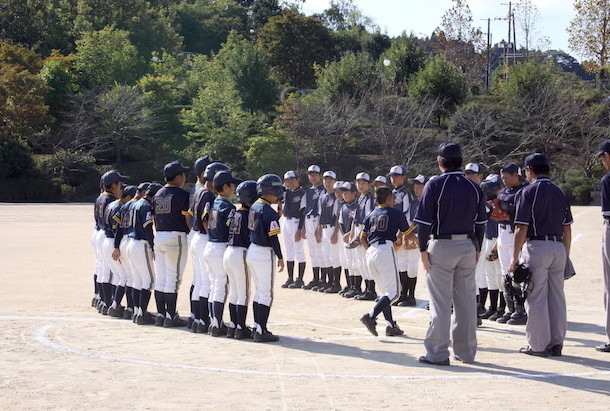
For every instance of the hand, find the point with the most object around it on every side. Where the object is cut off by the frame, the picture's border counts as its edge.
(425, 259)
(298, 235)
(280, 264)
(334, 238)
(346, 238)
(116, 254)
(303, 234)
(318, 237)
(512, 266)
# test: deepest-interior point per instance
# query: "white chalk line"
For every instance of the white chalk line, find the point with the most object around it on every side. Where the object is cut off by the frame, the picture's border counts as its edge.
(41, 336)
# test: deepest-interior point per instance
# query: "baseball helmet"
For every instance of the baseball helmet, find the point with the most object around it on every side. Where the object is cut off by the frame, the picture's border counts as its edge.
(490, 188)
(247, 192)
(200, 164)
(213, 168)
(519, 283)
(270, 184)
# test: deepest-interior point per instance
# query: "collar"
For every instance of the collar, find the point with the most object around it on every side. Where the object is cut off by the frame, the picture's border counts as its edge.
(243, 208)
(383, 206)
(108, 192)
(262, 200)
(169, 185)
(541, 179)
(453, 172)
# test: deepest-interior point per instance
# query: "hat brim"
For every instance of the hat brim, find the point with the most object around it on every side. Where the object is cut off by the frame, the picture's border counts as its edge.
(471, 172)
(599, 153)
(395, 174)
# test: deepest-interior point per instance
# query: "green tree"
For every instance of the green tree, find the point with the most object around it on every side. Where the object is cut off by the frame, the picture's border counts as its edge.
(270, 151)
(352, 76)
(107, 56)
(293, 43)
(404, 58)
(60, 79)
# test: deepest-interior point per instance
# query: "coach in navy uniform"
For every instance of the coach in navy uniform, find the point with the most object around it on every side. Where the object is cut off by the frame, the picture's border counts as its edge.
(542, 220)
(451, 220)
(604, 156)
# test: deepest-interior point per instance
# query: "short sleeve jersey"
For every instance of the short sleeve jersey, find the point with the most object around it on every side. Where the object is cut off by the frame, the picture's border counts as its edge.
(201, 206)
(126, 217)
(112, 219)
(239, 235)
(507, 198)
(312, 195)
(402, 199)
(346, 216)
(99, 208)
(328, 209)
(605, 192)
(491, 227)
(142, 221)
(544, 207)
(366, 204)
(170, 206)
(383, 223)
(221, 214)
(263, 222)
(293, 203)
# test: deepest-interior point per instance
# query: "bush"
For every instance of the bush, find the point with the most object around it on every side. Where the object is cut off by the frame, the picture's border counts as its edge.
(578, 188)
(15, 158)
(268, 152)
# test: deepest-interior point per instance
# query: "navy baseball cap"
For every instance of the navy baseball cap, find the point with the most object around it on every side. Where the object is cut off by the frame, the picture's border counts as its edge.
(450, 150)
(511, 168)
(152, 190)
(130, 191)
(143, 186)
(173, 169)
(536, 159)
(226, 177)
(111, 177)
(200, 164)
(398, 171)
(604, 147)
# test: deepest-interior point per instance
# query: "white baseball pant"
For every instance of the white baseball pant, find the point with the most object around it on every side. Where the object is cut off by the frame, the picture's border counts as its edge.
(170, 260)
(488, 273)
(118, 277)
(506, 242)
(293, 250)
(126, 260)
(362, 266)
(140, 256)
(381, 261)
(413, 257)
(235, 265)
(213, 255)
(331, 253)
(94, 245)
(261, 263)
(314, 248)
(103, 274)
(402, 259)
(202, 286)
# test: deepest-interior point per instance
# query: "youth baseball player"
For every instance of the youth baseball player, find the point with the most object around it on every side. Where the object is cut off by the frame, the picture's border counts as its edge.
(380, 181)
(366, 204)
(310, 228)
(173, 222)
(347, 213)
(264, 226)
(142, 188)
(234, 261)
(604, 156)
(294, 244)
(329, 231)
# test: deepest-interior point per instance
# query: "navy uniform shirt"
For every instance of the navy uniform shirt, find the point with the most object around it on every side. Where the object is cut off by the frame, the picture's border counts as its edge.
(402, 199)
(544, 207)
(293, 204)
(328, 209)
(451, 204)
(310, 204)
(605, 189)
(239, 235)
(491, 227)
(263, 222)
(383, 223)
(142, 226)
(201, 205)
(112, 219)
(346, 216)
(170, 206)
(507, 200)
(220, 218)
(366, 204)
(101, 202)
(126, 224)
(413, 212)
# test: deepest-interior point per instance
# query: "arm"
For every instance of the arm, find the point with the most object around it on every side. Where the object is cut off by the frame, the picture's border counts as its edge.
(363, 240)
(275, 245)
(520, 237)
(567, 238)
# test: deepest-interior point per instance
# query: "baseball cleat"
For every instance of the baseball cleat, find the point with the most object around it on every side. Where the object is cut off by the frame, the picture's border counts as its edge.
(116, 312)
(370, 324)
(333, 289)
(517, 319)
(104, 310)
(218, 331)
(603, 347)
(311, 284)
(408, 302)
(297, 284)
(189, 322)
(393, 331)
(505, 317)
(242, 333)
(194, 327)
(288, 283)
(266, 336)
(529, 351)
(487, 314)
(344, 290)
(424, 360)
(496, 315)
(480, 310)
(352, 293)
(128, 313)
(159, 320)
(174, 322)
(400, 300)
(479, 321)
(203, 328)
(555, 350)
(145, 319)
(230, 332)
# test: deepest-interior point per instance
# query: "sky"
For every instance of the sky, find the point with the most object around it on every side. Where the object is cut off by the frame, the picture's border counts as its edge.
(422, 16)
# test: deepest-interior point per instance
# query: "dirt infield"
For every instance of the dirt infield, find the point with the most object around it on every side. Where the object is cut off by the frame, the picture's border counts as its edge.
(57, 352)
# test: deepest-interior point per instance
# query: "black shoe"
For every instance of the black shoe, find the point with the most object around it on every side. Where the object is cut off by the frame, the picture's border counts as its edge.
(159, 320)
(116, 312)
(368, 296)
(333, 289)
(311, 284)
(408, 302)
(219, 331)
(145, 319)
(370, 324)
(203, 328)
(495, 316)
(266, 336)
(93, 301)
(424, 360)
(230, 332)
(128, 313)
(517, 319)
(243, 333)
(104, 309)
(488, 314)
(344, 290)
(555, 350)
(174, 322)
(529, 351)
(480, 310)
(401, 299)
(189, 322)
(194, 327)
(479, 321)
(320, 287)
(288, 283)
(393, 331)
(505, 317)
(297, 284)
(352, 293)
(603, 347)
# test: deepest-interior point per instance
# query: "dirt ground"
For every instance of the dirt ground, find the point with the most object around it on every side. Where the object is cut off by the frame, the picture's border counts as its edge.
(57, 352)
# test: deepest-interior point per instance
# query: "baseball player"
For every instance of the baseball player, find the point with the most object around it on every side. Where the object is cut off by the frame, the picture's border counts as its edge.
(380, 181)
(234, 262)
(141, 255)
(366, 204)
(142, 189)
(112, 183)
(292, 212)
(604, 156)
(543, 236)
(97, 231)
(474, 172)
(310, 228)
(347, 212)
(264, 226)
(451, 219)
(173, 222)
(329, 231)
(402, 202)
(378, 238)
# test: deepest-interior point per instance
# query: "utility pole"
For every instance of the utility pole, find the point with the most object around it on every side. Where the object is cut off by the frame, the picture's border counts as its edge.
(510, 34)
(514, 39)
(488, 68)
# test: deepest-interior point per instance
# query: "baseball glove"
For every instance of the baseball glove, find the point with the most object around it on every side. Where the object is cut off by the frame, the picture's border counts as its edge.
(493, 255)
(353, 244)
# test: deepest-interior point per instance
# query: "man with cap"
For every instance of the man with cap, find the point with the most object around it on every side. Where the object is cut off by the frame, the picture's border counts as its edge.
(451, 219)
(112, 184)
(347, 211)
(173, 221)
(604, 156)
(380, 181)
(511, 177)
(329, 230)
(294, 245)
(474, 172)
(543, 236)
(365, 205)
(219, 223)
(402, 202)
(142, 188)
(312, 218)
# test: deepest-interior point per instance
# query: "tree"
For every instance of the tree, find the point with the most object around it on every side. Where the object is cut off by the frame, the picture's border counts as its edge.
(351, 76)
(293, 43)
(405, 56)
(344, 15)
(107, 56)
(527, 17)
(268, 152)
(590, 34)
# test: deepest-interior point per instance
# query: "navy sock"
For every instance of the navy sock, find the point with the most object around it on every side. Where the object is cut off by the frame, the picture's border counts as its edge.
(372, 286)
(171, 299)
(290, 266)
(217, 310)
(493, 299)
(233, 313)
(357, 283)
(95, 287)
(381, 305)
(316, 273)
(118, 295)
(255, 311)
(404, 283)
(144, 297)
(263, 314)
(129, 295)
(160, 300)
(387, 314)
(107, 287)
(301, 271)
(137, 297)
(113, 291)
(483, 296)
(348, 279)
(241, 313)
(204, 310)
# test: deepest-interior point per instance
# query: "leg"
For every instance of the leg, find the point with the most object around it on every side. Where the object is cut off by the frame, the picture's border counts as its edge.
(464, 291)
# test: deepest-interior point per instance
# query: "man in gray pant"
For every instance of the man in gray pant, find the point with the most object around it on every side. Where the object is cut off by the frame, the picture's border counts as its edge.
(451, 224)
(542, 241)
(604, 156)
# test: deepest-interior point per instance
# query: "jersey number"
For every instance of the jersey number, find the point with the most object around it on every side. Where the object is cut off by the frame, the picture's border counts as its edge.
(163, 205)
(236, 225)
(379, 223)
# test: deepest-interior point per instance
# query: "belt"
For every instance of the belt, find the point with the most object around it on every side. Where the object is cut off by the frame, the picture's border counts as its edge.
(379, 242)
(451, 236)
(291, 218)
(546, 238)
(311, 216)
(327, 226)
(489, 237)
(506, 226)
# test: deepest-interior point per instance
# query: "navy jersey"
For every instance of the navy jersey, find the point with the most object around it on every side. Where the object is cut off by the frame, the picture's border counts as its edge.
(605, 192)
(101, 202)
(293, 203)
(201, 205)
(507, 200)
(366, 204)
(310, 204)
(491, 226)
(263, 222)
(402, 199)
(413, 212)
(346, 216)
(544, 207)
(451, 204)
(126, 224)
(220, 218)
(328, 209)
(239, 235)
(170, 206)
(142, 225)
(382, 225)
(112, 219)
